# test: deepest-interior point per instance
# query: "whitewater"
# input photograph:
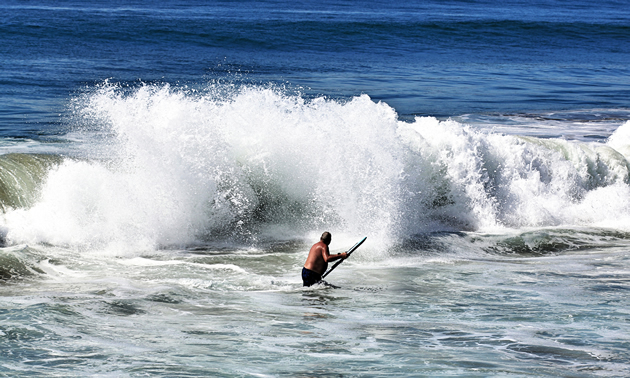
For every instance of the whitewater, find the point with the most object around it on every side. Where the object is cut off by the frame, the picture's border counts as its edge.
(165, 231)
(161, 166)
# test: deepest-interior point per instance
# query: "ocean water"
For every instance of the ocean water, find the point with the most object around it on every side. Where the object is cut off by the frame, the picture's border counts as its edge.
(164, 169)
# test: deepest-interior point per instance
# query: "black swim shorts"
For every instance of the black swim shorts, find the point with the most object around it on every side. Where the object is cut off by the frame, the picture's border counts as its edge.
(309, 277)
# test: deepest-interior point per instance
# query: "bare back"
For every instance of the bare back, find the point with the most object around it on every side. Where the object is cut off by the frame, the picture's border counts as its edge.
(317, 257)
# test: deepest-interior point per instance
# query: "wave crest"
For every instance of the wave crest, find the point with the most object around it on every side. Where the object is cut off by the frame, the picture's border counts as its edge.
(185, 166)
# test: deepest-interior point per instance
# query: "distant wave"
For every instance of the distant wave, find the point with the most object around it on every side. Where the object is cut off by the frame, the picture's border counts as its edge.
(185, 166)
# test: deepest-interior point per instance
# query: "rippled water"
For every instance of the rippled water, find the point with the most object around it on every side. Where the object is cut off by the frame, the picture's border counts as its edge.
(244, 313)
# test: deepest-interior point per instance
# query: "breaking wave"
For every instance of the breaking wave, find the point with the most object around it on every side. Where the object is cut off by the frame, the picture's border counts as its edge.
(172, 166)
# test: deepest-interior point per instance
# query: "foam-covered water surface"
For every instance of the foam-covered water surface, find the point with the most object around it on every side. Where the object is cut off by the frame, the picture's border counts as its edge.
(230, 314)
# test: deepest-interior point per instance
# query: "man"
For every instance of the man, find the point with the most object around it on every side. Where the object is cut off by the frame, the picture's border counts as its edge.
(317, 260)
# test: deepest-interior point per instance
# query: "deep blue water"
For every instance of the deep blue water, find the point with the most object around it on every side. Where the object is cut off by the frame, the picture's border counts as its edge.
(441, 58)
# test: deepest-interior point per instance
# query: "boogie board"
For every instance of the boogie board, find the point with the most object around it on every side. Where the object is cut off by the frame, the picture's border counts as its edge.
(349, 253)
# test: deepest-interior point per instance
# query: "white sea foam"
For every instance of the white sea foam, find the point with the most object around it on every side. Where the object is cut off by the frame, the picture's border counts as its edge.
(183, 166)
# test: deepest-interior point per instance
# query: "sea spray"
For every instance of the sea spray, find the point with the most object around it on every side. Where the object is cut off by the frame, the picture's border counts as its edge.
(483, 180)
(176, 166)
(620, 140)
(185, 166)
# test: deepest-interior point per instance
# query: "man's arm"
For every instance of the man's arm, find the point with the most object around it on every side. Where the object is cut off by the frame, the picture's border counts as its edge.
(328, 257)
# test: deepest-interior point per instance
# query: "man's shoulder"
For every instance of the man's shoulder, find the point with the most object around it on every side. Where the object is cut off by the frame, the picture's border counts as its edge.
(316, 246)
(319, 246)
